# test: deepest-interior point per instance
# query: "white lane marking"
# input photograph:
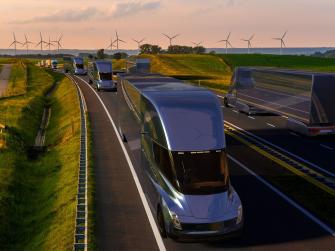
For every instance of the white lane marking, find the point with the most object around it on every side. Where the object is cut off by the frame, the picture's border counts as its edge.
(251, 117)
(286, 198)
(282, 149)
(270, 125)
(152, 222)
(294, 134)
(235, 111)
(327, 147)
(285, 117)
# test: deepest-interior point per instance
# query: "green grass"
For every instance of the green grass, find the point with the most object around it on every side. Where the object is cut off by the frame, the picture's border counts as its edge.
(38, 197)
(289, 62)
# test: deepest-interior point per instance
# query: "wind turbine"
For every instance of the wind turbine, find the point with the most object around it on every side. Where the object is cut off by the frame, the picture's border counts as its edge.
(139, 42)
(41, 42)
(249, 42)
(49, 45)
(117, 40)
(15, 42)
(227, 42)
(197, 44)
(59, 45)
(282, 42)
(171, 37)
(26, 43)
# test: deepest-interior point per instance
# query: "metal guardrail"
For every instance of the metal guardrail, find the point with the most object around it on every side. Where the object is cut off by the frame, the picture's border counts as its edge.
(81, 223)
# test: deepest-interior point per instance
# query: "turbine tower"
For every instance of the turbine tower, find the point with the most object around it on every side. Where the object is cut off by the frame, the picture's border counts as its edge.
(41, 42)
(171, 37)
(111, 45)
(249, 42)
(49, 45)
(227, 42)
(15, 42)
(282, 42)
(59, 45)
(26, 43)
(117, 40)
(139, 42)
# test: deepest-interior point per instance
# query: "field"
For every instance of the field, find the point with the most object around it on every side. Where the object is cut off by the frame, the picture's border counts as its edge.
(289, 62)
(37, 197)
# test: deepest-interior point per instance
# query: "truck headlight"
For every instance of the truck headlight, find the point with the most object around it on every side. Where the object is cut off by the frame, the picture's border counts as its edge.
(239, 214)
(175, 221)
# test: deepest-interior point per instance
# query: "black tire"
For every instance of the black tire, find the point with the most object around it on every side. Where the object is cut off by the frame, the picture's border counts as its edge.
(161, 223)
(225, 102)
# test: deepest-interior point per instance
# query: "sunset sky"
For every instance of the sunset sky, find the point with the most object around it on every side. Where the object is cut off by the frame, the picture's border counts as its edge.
(89, 24)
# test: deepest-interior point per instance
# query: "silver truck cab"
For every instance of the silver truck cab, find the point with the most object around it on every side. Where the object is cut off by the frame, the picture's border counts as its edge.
(100, 75)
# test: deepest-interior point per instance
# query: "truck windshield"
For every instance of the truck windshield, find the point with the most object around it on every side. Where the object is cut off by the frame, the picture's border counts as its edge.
(80, 66)
(106, 76)
(201, 172)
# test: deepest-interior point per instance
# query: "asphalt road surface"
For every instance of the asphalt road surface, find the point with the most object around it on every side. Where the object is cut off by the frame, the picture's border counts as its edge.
(4, 77)
(271, 221)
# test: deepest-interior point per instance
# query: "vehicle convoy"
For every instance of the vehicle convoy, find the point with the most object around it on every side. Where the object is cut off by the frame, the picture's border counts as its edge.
(176, 137)
(100, 74)
(306, 99)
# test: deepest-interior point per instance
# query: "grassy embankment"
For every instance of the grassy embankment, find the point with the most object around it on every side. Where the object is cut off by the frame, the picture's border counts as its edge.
(314, 199)
(17, 84)
(206, 70)
(38, 197)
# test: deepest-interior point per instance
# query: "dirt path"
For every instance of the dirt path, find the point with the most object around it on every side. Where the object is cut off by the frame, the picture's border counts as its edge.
(4, 77)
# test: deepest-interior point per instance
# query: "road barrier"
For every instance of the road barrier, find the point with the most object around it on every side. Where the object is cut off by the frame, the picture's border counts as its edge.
(81, 223)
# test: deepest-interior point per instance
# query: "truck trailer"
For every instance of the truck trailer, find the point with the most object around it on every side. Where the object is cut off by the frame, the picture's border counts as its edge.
(306, 99)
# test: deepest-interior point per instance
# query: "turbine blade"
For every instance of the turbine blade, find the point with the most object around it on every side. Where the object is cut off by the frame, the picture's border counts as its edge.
(229, 44)
(166, 35)
(175, 36)
(251, 37)
(284, 43)
(228, 36)
(120, 40)
(284, 35)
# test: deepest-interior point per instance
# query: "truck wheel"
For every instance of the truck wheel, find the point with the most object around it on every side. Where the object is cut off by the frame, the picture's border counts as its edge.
(161, 223)
(225, 102)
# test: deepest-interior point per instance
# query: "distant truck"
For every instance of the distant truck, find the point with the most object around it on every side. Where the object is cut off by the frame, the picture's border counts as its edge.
(78, 66)
(74, 65)
(306, 99)
(54, 64)
(100, 74)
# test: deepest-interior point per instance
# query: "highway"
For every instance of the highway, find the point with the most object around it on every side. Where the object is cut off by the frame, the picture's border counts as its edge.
(273, 221)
